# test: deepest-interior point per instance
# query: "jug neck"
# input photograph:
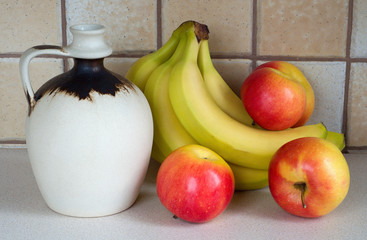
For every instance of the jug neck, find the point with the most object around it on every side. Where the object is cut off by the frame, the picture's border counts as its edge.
(88, 65)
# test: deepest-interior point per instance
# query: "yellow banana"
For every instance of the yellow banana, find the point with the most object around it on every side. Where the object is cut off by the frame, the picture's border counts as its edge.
(139, 72)
(211, 127)
(230, 103)
(337, 139)
(222, 94)
(169, 134)
(249, 178)
(157, 153)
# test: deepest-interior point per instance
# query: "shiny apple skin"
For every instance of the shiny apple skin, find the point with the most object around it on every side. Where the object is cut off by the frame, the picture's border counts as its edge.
(274, 101)
(296, 75)
(195, 184)
(320, 165)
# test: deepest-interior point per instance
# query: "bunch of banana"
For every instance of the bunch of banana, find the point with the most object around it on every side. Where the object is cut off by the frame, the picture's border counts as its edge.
(191, 103)
(169, 134)
(140, 71)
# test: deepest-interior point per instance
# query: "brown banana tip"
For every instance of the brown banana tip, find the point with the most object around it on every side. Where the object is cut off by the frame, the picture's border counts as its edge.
(201, 31)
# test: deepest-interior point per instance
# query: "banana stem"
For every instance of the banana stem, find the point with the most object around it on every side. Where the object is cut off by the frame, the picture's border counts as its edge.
(201, 31)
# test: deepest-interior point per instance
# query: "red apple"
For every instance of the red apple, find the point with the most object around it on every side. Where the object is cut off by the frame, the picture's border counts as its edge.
(308, 177)
(294, 73)
(278, 96)
(195, 184)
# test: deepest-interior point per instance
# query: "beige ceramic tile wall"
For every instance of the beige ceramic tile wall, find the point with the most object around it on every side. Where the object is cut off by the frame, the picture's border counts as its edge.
(326, 39)
(302, 28)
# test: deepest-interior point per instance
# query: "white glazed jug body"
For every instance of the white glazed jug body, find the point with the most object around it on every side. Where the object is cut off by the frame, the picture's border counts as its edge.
(89, 134)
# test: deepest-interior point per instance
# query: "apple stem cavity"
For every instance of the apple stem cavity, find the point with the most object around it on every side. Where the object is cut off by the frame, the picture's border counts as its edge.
(302, 187)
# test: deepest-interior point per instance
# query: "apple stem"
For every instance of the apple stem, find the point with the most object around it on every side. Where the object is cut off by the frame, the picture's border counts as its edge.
(302, 187)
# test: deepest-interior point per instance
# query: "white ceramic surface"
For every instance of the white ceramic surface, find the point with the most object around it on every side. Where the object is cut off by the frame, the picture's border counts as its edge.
(90, 158)
(89, 155)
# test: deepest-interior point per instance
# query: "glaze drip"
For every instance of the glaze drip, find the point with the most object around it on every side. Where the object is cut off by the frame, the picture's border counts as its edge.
(86, 76)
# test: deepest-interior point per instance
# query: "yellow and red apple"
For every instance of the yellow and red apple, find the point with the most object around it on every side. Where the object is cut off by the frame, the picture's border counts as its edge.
(309, 177)
(195, 183)
(278, 96)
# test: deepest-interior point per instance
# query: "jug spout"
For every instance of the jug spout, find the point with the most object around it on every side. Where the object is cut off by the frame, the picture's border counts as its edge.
(88, 42)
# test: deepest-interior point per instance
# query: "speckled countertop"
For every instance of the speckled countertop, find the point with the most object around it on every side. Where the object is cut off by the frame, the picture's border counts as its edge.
(250, 215)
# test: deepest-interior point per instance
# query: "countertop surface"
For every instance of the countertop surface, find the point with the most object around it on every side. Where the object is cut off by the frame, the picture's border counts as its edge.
(250, 215)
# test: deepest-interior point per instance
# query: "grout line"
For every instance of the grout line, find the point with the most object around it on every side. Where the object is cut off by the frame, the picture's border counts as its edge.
(63, 31)
(63, 23)
(357, 59)
(12, 141)
(135, 54)
(349, 29)
(130, 54)
(345, 104)
(10, 55)
(347, 73)
(159, 24)
(357, 148)
(287, 58)
(254, 35)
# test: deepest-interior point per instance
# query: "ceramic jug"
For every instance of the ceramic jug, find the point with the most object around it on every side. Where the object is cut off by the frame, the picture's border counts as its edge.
(89, 131)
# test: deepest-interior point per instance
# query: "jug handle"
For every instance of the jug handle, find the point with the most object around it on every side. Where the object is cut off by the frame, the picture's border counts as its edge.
(24, 61)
